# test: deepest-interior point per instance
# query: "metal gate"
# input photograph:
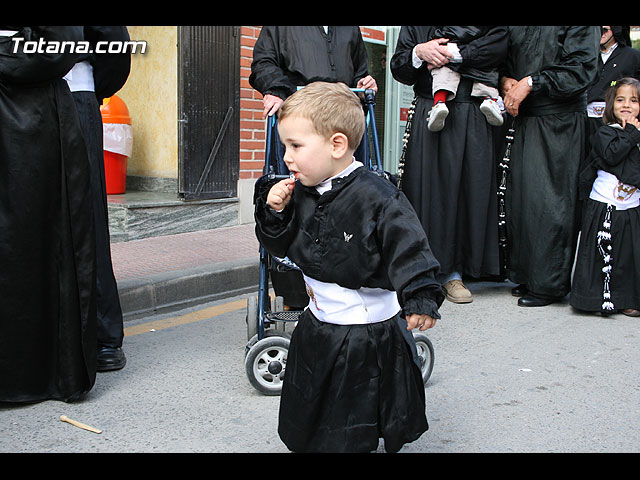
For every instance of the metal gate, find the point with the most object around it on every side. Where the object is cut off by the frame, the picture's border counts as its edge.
(208, 111)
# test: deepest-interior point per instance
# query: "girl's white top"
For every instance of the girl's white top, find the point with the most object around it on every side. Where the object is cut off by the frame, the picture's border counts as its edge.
(608, 189)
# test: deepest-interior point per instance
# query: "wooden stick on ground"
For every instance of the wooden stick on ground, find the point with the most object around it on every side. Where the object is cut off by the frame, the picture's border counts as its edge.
(64, 418)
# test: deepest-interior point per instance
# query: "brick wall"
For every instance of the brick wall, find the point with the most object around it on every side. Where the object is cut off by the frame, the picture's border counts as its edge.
(252, 126)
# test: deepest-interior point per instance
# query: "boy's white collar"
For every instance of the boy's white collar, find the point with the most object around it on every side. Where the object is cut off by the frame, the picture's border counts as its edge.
(325, 186)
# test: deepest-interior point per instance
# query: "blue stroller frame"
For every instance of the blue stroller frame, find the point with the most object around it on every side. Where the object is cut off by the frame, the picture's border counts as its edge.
(268, 323)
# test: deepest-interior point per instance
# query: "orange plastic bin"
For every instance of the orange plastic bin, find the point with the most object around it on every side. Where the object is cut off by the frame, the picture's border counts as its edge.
(117, 143)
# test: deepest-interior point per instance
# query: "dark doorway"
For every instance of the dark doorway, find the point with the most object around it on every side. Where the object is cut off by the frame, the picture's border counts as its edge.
(208, 111)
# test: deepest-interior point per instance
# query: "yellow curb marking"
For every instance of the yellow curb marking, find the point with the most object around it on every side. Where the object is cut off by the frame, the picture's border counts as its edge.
(196, 316)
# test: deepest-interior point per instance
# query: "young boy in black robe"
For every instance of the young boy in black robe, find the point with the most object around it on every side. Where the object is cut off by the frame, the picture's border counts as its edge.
(350, 376)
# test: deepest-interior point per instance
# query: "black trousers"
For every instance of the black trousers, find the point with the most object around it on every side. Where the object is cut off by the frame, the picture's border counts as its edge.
(110, 323)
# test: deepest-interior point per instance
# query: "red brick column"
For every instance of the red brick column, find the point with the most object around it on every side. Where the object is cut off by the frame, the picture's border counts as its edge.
(252, 126)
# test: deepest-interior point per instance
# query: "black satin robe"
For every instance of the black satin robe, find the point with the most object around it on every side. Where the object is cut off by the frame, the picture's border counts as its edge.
(361, 233)
(47, 245)
(285, 58)
(388, 249)
(614, 150)
(450, 176)
(548, 148)
(110, 72)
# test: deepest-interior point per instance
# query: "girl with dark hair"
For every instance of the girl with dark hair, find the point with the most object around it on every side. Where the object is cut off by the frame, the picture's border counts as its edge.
(607, 272)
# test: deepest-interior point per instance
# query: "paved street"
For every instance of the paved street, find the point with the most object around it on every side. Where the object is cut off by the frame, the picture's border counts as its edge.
(506, 379)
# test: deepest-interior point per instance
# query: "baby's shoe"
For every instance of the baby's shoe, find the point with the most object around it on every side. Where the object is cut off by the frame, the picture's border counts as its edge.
(490, 108)
(436, 117)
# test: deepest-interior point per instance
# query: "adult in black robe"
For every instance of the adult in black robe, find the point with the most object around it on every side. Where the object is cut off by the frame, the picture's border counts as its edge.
(47, 244)
(288, 57)
(449, 176)
(110, 72)
(546, 76)
(623, 61)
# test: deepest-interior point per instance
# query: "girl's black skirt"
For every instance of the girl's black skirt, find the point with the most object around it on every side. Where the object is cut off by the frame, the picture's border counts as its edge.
(588, 280)
(345, 387)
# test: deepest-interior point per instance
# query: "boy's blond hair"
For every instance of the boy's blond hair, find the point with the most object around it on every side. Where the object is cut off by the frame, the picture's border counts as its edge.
(331, 108)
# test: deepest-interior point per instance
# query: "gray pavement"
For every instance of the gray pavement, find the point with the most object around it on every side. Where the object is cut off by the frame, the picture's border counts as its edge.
(506, 379)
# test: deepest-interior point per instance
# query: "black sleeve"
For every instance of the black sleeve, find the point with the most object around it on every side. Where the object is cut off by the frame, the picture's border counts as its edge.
(487, 51)
(360, 58)
(613, 145)
(274, 230)
(110, 70)
(401, 64)
(411, 266)
(574, 69)
(39, 68)
(267, 75)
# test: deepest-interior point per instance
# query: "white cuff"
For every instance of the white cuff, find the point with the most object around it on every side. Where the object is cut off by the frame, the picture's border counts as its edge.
(417, 63)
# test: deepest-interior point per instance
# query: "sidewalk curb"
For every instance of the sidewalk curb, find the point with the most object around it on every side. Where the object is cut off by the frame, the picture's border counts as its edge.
(180, 289)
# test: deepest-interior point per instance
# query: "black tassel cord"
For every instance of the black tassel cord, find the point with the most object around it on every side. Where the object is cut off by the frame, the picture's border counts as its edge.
(502, 191)
(605, 248)
(405, 140)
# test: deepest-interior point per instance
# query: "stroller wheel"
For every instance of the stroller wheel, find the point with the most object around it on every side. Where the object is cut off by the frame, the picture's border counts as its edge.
(267, 333)
(426, 354)
(265, 364)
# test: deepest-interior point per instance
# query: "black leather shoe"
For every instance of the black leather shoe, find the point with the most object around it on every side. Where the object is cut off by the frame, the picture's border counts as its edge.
(532, 300)
(519, 291)
(110, 358)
